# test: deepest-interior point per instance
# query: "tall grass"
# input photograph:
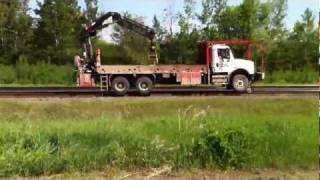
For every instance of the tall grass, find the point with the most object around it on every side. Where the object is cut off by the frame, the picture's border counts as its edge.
(306, 76)
(40, 73)
(43, 138)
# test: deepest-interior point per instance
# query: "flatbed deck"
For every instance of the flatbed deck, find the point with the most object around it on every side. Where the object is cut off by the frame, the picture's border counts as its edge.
(151, 69)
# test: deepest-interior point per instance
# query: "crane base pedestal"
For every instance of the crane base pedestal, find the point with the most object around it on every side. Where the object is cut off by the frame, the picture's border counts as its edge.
(86, 80)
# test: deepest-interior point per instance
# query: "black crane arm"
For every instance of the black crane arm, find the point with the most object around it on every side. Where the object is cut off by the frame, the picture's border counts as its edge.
(124, 22)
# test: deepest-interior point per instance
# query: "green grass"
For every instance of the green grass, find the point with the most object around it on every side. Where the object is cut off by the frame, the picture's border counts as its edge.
(58, 136)
(306, 76)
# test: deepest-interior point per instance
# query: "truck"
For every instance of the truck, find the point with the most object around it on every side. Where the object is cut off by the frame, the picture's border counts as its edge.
(215, 67)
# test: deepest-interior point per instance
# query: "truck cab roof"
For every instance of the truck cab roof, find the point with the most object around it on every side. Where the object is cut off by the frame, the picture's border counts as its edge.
(220, 46)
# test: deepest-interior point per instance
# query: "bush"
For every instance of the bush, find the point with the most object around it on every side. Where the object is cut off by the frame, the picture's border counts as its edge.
(41, 73)
(8, 75)
(30, 156)
(228, 149)
(305, 76)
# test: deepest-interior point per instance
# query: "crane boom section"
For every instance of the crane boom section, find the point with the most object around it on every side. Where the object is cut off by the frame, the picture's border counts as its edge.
(122, 21)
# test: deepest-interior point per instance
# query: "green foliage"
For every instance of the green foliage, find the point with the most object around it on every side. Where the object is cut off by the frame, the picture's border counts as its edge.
(57, 34)
(15, 31)
(8, 75)
(305, 76)
(111, 53)
(183, 47)
(278, 15)
(227, 148)
(299, 51)
(185, 18)
(160, 31)
(211, 17)
(92, 9)
(29, 157)
(135, 48)
(40, 73)
(44, 138)
(181, 50)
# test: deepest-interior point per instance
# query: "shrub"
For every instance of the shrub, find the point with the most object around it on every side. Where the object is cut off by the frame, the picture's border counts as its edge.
(29, 156)
(227, 149)
(41, 73)
(7, 75)
(305, 76)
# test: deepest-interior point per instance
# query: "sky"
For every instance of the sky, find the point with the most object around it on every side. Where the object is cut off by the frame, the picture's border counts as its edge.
(149, 8)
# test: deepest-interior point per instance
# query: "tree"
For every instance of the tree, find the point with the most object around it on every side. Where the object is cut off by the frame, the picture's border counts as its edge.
(185, 19)
(248, 18)
(134, 47)
(91, 9)
(278, 15)
(210, 17)
(24, 6)
(15, 31)
(299, 50)
(182, 49)
(305, 38)
(230, 26)
(160, 31)
(183, 46)
(25, 35)
(57, 34)
(170, 18)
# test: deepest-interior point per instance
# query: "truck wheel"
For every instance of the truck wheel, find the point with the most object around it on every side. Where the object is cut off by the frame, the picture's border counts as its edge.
(144, 86)
(240, 83)
(120, 86)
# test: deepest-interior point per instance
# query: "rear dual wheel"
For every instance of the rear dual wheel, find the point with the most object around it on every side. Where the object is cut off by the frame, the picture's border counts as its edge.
(144, 86)
(120, 86)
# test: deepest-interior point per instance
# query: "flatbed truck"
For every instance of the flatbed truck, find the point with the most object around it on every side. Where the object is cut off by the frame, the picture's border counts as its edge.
(215, 67)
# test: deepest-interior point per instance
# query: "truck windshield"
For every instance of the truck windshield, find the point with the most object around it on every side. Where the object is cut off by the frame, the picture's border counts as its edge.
(224, 53)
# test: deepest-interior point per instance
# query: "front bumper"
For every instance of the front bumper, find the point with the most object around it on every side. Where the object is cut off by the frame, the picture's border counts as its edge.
(259, 76)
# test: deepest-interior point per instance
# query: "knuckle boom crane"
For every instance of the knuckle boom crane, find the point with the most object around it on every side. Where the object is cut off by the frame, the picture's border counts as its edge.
(124, 22)
(216, 66)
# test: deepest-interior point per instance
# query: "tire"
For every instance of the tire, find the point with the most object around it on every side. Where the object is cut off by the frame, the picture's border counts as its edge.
(144, 86)
(240, 83)
(120, 86)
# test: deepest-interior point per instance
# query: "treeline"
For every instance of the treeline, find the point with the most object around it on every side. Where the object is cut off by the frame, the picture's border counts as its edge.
(52, 39)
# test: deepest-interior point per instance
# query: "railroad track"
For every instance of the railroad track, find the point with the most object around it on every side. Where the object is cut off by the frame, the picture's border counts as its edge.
(75, 91)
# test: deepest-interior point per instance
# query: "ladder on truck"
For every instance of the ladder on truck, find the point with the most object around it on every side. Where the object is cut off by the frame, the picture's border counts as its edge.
(153, 56)
(104, 83)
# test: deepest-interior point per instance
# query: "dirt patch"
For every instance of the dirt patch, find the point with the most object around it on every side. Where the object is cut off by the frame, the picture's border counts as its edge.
(150, 98)
(234, 175)
(208, 175)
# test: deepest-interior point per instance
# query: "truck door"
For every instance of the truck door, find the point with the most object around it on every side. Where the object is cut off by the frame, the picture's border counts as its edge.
(222, 60)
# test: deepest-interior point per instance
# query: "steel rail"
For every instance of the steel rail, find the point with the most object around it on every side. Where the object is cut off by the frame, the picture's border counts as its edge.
(75, 91)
